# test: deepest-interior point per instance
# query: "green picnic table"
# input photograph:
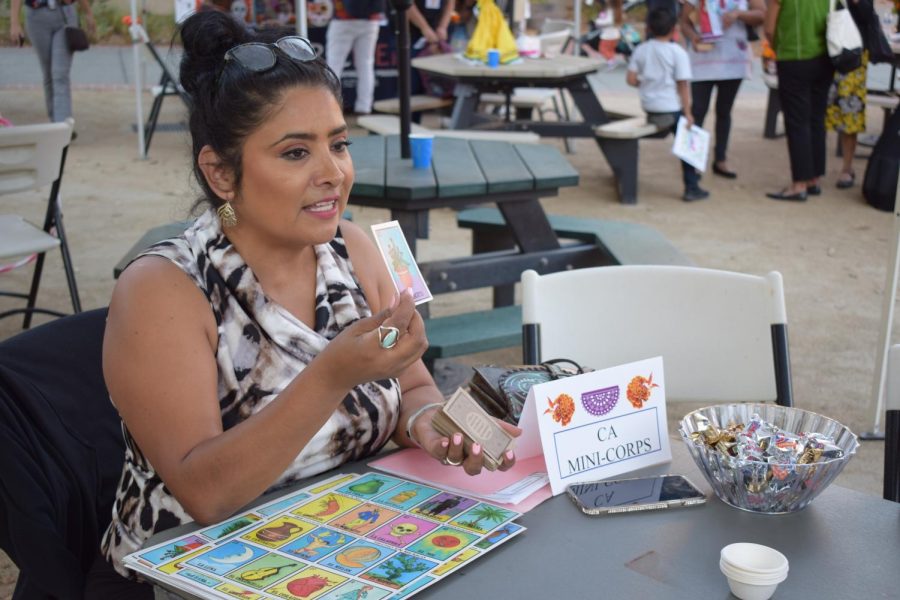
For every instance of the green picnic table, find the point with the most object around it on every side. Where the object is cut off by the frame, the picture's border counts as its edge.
(463, 173)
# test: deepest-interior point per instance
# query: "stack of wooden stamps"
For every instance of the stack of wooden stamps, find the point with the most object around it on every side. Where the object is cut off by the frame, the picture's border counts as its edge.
(461, 413)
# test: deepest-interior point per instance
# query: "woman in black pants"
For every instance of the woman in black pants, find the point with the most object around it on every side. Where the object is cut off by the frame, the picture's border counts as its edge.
(796, 30)
(721, 64)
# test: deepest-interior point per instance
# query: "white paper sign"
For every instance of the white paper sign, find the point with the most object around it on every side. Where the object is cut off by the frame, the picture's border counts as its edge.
(691, 145)
(597, 425)
(184, 9)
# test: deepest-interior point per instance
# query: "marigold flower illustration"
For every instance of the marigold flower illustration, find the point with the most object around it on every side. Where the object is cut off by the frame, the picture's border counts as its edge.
(562, 409)
(639, 389)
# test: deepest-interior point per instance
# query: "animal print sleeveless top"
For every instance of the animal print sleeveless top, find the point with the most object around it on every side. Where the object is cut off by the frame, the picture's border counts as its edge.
(261, 348)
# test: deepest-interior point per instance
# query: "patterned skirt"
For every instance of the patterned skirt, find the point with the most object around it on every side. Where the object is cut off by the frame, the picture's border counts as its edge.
(847, 101)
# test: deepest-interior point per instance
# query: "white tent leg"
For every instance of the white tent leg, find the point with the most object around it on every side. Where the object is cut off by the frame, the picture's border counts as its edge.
(138, 84)
(576, 32)
(887, 321)
(300, 12)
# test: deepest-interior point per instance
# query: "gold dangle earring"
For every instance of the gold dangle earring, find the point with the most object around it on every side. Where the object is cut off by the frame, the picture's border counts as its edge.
(227, 215)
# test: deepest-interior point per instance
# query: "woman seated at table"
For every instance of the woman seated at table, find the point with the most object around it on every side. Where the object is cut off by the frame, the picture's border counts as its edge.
(267, 343)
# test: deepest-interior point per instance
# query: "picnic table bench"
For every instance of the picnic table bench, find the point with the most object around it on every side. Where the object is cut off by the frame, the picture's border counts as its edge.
(616, 243)
(618, 140)
(417, 105)
(390, 125)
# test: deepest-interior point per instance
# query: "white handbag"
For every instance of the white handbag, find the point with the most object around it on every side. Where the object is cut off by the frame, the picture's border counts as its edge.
(845, 46)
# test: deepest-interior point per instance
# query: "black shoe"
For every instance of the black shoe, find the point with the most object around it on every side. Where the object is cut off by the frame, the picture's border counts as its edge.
(723, 172)
(694, 194)
(814, 190)
(784, 195)
(843, 184)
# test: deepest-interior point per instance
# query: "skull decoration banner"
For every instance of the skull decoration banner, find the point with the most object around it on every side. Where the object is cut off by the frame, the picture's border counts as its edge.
(597, 425)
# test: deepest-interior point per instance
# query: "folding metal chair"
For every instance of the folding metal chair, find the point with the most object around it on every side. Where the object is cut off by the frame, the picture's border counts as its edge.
(31, 157)
(168, 86)
(722, 335)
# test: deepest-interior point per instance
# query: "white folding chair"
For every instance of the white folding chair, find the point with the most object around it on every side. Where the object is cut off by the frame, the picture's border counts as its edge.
(722, 335)
(31, 157)
(892, 426)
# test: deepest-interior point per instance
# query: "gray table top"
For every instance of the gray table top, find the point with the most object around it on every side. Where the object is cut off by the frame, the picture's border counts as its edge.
(562, 65)
(460, 168)
(840, 546)
(845, 544)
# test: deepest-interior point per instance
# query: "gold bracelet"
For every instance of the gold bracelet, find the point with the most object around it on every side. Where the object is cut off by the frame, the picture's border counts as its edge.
(416, 415)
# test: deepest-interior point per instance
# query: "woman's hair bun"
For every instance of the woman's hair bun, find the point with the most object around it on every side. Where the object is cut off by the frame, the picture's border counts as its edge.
(206, 36)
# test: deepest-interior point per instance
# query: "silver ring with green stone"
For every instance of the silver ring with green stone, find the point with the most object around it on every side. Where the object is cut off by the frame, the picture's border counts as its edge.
(388, 336)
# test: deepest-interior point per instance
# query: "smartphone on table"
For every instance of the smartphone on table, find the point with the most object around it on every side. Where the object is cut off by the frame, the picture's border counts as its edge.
(631, 495)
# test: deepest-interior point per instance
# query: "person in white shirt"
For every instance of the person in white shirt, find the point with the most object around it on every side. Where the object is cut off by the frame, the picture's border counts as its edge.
(661, 70)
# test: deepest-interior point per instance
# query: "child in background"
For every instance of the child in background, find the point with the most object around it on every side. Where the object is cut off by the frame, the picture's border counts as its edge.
(661, 70)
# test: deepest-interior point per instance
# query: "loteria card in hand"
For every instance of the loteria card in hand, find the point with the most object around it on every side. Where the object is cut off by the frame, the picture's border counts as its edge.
(462, 413)
(400, 261)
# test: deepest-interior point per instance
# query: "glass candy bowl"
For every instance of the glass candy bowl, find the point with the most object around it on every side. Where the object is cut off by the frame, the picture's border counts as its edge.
(760, 486)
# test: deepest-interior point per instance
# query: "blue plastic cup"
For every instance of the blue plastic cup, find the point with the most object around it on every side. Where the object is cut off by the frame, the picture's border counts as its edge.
(421, 146)
(493, 58)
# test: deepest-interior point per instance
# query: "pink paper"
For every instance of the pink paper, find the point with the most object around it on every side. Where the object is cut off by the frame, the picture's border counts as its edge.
(418, 465)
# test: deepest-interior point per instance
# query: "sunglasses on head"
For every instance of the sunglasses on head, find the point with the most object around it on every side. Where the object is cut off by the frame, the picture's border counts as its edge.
(260, 56)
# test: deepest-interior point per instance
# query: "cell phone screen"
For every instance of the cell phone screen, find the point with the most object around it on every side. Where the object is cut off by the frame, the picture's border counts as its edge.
(652, 492)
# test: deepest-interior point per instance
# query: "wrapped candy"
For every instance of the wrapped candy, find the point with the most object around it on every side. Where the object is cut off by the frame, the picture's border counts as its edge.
(767, 456)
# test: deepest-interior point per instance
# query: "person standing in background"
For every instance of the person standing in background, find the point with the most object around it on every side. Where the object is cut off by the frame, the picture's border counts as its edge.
(722, 64)
(796, 30)
(846, 111)
(45, 21)
(430, 19)
(429, 33)
(661, 70)
(355, 27)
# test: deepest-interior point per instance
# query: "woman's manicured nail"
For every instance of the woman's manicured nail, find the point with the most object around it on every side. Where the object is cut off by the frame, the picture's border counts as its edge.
(445, 443)
(476, 449)
(510, 455)
(457, 439)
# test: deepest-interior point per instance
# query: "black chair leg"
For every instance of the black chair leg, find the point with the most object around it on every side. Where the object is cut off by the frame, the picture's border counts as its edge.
(67, 262)
(155, 109)
(892, 456)
(150, 127)
(33, 292)
(531, 343)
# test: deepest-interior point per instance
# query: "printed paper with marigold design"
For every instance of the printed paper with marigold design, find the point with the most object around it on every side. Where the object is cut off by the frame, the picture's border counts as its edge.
(598, 425)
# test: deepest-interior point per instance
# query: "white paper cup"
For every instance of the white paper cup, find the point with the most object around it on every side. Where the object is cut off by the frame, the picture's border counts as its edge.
(748, 577)
(749, 591)
(754, 558)
(753, 571)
